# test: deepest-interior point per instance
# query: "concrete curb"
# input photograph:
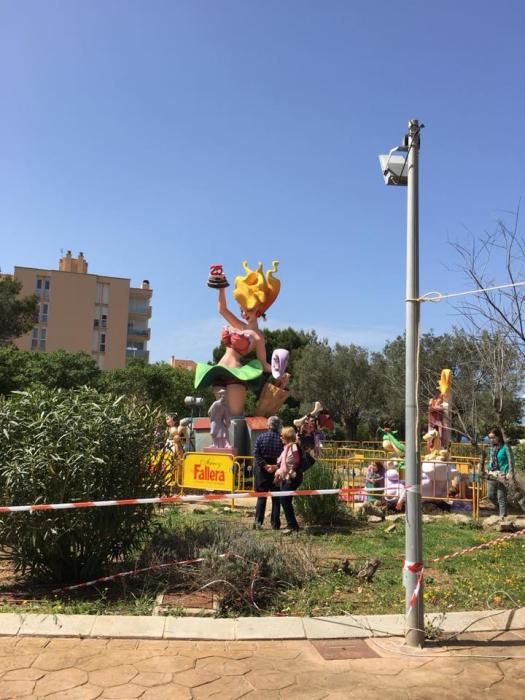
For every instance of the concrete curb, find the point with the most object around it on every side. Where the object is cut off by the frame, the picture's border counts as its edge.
(250, 628)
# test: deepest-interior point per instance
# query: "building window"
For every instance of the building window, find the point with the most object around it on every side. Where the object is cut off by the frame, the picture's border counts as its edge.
(102, 343)
(42, 287)
(102, 293)
(38, 339)
(101, 316)
(44, 311)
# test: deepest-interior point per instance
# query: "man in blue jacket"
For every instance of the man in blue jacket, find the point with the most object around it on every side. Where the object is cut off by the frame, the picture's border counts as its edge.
(268, 447)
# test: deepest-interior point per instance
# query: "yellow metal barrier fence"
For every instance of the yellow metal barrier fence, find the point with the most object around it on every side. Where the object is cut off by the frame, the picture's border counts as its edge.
(350, 461)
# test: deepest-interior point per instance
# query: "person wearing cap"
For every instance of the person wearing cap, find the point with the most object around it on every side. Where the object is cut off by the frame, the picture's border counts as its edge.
(268, 447)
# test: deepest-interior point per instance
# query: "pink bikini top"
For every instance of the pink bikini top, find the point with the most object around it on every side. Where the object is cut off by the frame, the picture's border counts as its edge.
(239, 341)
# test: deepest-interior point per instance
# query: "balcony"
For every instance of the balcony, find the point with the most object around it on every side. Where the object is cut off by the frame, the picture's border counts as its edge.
(139, 310)
(141, 332)
(134, 354)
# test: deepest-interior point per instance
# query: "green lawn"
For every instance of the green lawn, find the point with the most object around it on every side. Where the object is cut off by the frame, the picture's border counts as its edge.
(469, 582)
(487, 578)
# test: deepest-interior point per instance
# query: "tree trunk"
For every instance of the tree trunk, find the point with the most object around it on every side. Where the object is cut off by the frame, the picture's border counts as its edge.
(351, 422)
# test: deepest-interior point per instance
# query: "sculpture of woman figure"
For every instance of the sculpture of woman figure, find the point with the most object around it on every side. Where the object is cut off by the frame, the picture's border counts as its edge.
(439, 410)
(255, 292)
(220, 420)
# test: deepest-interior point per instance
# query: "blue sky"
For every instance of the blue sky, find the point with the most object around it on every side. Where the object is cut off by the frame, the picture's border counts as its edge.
(159, 137)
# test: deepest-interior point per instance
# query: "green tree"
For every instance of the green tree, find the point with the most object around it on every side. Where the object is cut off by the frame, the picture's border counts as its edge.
(13, 369)
(342, 378)
(20, 370)
(157, 384)
(17, 314)
(65, 370)
(486, 375)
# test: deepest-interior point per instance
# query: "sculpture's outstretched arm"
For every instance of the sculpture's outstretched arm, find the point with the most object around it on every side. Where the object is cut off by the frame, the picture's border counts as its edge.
(227, 314)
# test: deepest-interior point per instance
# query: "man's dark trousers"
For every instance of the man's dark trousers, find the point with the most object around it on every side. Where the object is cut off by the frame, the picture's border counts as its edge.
(264, 482)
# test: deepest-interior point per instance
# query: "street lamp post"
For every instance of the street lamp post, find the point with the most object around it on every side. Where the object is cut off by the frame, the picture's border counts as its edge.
(404, 171)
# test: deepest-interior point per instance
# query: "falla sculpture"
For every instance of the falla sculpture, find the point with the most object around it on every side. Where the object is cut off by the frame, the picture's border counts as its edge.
(254, 292)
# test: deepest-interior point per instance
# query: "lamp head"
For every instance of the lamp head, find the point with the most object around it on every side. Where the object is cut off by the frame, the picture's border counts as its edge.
(394, 167)
(193, 401)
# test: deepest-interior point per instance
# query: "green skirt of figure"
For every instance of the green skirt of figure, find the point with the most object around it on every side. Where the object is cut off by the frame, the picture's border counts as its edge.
(207, 375)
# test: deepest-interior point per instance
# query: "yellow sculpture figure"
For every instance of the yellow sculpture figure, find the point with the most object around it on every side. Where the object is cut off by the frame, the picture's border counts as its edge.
(255, 292)
(439, 410)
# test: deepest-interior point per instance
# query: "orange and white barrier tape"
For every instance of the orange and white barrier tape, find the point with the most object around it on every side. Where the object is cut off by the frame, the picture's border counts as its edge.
(484, 545)
(414, 568)
(417, 567)
(176, 499)
(133, 572)
(123, 574)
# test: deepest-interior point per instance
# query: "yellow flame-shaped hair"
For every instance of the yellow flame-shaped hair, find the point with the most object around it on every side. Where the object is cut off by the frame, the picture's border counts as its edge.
(255, 290)
(445, 381)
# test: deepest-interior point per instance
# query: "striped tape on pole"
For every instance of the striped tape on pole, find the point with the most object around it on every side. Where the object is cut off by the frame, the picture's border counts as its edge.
(417, 567)
(414, 568)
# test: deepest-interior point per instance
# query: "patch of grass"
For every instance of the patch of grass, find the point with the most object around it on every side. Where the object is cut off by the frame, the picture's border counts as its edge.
(469, 582)
(99, 604)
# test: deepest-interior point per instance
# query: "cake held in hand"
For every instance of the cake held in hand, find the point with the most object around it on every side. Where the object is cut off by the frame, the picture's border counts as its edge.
(217, 278)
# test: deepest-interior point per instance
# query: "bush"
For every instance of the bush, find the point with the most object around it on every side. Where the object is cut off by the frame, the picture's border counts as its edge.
(61, 446)
(251, 577)
(519, 457)
(320, 510)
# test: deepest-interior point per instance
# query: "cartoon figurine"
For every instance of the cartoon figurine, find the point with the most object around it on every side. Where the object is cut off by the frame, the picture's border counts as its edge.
(310, 428)
(255, 292)
(220, 420)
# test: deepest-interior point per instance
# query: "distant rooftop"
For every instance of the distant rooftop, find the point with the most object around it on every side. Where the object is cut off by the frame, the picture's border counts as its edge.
(183, 364)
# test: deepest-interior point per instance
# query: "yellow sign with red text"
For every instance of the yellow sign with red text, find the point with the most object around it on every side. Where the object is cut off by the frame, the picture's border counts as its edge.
(206, 470)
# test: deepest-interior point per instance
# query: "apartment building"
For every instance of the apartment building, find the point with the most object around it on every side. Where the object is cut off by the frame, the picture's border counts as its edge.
(103, 316)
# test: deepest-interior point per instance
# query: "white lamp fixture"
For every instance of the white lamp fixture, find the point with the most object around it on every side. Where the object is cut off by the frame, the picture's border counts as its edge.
(394, 166)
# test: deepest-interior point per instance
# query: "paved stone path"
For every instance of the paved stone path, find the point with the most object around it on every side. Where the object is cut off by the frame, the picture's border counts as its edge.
(477, 666)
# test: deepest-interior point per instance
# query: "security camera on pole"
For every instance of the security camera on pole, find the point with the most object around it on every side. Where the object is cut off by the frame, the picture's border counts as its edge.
(403, 170)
